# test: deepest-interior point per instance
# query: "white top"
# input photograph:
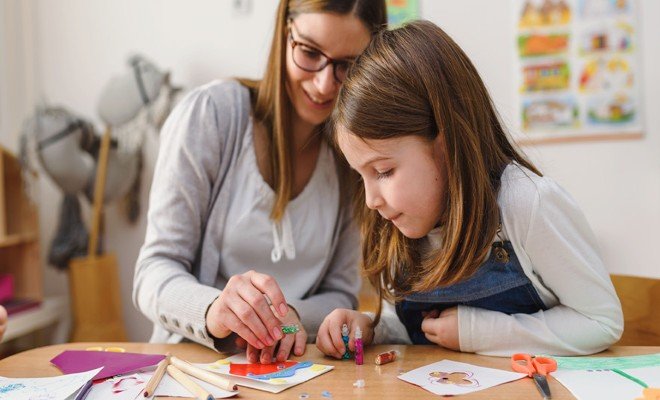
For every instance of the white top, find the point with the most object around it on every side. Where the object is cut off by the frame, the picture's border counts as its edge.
(292, 251)
(558, 253)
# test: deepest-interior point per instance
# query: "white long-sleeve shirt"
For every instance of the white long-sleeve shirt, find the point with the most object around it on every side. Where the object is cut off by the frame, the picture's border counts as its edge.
(558, 253)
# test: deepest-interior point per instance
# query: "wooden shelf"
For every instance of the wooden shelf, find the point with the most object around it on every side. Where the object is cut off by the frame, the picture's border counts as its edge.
(52, 310)
(19, 226)
(20, 257)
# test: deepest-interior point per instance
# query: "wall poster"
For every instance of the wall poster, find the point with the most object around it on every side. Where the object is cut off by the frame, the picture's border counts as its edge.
(577, 70)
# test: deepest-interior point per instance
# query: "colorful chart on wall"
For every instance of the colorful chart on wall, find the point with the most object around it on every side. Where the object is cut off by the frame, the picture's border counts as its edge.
(578, 70)
(401, 11)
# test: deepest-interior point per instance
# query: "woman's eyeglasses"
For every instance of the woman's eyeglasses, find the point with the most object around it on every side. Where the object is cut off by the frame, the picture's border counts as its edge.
(311, 59)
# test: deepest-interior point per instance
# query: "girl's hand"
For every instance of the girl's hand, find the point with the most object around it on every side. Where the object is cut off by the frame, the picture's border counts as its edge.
(243, 307)
(3, 321)
(329, 339)
(442, 329)
(291, 343)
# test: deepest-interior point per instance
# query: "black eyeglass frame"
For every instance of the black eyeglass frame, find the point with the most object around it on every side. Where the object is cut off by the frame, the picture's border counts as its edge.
(328, 59)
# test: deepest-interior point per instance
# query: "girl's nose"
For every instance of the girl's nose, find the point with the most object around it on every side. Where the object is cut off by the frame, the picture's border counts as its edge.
(373, 199)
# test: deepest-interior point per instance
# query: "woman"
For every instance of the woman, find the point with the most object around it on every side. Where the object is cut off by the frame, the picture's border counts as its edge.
(247, 229)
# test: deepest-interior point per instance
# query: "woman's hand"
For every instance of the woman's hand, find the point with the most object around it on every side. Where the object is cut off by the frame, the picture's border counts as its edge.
(329, 339)
(442, 328)
(248, 305)
(291, 343)
(3, 321)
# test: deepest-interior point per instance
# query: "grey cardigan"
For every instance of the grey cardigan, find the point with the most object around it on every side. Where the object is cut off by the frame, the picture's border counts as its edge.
(179, 260)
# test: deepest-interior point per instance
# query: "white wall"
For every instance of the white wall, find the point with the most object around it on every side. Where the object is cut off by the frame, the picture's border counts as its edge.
(17, 83)
(77, 45)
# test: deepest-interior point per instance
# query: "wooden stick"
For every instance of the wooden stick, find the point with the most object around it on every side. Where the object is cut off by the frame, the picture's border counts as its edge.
(206, 376)
(99, 190)
(157, 376)
(188, 383)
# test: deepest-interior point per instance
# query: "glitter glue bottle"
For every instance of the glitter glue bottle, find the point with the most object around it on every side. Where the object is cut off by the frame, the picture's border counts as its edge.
(359, 355)
(344, 337)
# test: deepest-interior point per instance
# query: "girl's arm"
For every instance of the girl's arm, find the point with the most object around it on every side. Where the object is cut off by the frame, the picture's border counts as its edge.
(552, 239)
(165, 289)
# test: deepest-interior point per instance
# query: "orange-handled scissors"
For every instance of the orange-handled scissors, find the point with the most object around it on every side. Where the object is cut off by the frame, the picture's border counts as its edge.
(536, 368)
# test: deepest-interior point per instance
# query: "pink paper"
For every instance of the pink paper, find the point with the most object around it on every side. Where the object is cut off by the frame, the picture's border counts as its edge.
(72, 361)
(6, 287)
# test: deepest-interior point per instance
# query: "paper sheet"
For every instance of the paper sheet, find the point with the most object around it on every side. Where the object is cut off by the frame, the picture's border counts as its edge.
(605, 384)
(584, 363)
(131, 387)
(450, 377)
(53, 388)
(71, 361)
(272, 385)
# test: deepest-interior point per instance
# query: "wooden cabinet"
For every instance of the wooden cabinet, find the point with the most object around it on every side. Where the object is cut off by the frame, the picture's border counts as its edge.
(19, 231)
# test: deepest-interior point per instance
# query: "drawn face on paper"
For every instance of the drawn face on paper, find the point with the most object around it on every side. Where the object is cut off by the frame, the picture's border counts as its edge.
(463, 379)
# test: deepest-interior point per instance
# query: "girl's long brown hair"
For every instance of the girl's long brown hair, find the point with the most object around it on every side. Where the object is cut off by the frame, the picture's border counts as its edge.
(416, 80)
(271, 104)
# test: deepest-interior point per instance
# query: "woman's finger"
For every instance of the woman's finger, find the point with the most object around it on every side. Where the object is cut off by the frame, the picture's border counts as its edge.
(286, 344)
(234, 324)
(300, 343)
(252, 354)
(248, 317)
(257, 301)
(266, 356)
(267, 285)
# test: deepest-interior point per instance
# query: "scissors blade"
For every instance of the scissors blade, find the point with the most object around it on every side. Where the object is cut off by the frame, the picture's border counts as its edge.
(542, 385)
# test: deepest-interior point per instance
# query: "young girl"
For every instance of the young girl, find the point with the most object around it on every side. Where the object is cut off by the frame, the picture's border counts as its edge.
(247, 229)
(478, 251)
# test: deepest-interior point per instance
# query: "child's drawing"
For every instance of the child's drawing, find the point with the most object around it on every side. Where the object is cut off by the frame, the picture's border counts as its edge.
(448, 377)
(464, 379)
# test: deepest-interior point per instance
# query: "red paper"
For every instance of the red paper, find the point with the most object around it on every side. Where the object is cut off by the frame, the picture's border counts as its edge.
(259, 369)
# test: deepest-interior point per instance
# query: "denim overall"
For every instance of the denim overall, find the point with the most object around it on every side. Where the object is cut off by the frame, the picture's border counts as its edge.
(499, 284)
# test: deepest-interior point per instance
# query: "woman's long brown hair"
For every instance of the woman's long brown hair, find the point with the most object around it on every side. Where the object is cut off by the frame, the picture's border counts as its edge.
(416, 80)
(271, 104)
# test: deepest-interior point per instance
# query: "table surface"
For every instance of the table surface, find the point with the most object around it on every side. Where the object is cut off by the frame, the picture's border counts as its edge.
(381, 381)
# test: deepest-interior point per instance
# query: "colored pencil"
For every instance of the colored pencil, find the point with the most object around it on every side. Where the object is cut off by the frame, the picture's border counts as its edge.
(157, 376)
(206, 376)
(199, 392)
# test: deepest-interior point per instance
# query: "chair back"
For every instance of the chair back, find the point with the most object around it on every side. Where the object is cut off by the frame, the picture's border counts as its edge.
(640, 300)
